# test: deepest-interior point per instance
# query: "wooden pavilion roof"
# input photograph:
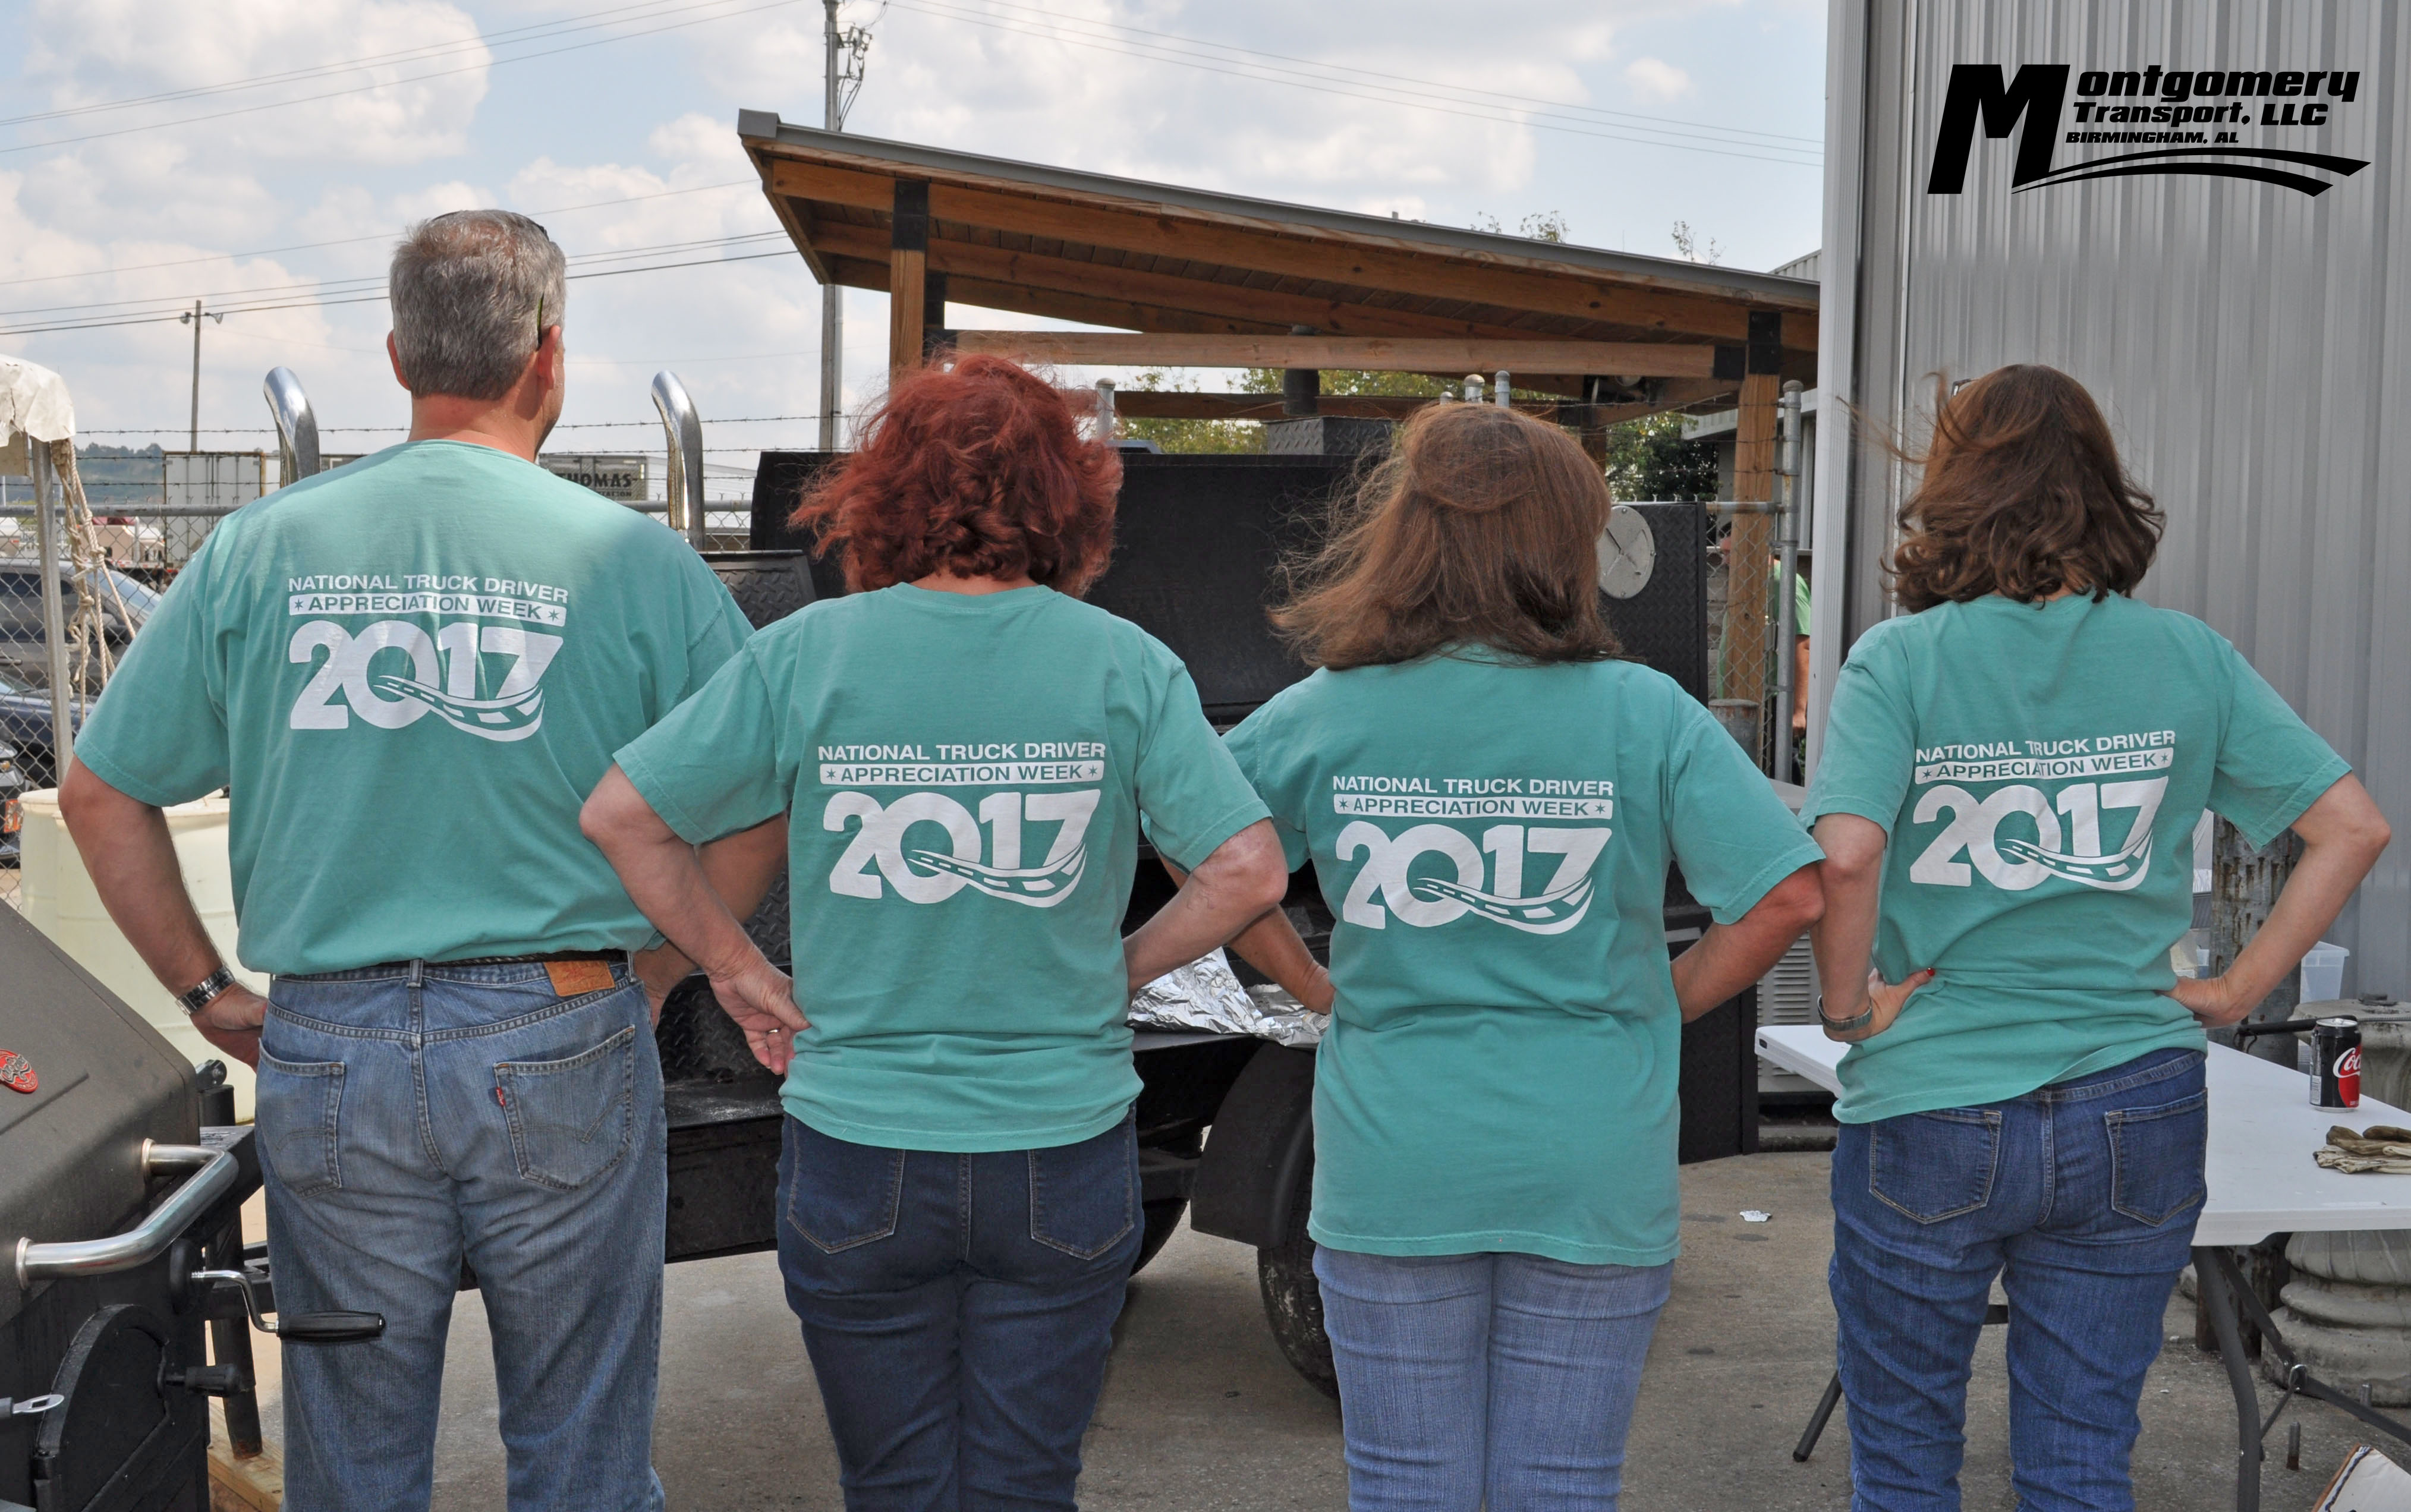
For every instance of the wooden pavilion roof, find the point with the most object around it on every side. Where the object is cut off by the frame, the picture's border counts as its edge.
(1223, 280)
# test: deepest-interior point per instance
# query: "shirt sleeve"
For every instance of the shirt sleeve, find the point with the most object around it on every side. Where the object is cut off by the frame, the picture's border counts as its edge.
(158, 734)
(1731, 836)
(716, 628)
(1868, 755)
(1191, 795)
(715, 765)
(2270, 764)
(1257, 749)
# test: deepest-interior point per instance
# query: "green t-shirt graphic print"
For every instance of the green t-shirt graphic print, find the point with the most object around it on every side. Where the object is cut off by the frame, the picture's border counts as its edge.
(963, 777)
(1501, 1068)
(409, 672)
(2040, 769)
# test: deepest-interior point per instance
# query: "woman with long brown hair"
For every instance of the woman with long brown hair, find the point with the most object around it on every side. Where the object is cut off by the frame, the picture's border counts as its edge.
(967, 750)
(2011, 776)
(1491, 799)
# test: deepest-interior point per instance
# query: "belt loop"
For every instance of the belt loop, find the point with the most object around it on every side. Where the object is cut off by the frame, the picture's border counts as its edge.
(418, 972)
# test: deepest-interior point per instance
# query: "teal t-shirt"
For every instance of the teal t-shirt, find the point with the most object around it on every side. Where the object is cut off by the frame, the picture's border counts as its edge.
(2039, 770)
(1501, 1068)
(409, 672)
(964, 777)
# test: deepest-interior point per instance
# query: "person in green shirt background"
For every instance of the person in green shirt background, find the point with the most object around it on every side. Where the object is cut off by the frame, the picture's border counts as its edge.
(1491, 800)
(2010, 776)
(967, 750)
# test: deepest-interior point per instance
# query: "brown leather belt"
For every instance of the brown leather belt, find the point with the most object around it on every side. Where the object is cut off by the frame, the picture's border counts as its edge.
(609, 957)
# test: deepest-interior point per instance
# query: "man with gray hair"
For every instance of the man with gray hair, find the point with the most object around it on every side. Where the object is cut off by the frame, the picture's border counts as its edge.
(409, 672)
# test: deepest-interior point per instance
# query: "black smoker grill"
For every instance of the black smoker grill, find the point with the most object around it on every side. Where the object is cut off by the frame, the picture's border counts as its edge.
(1224, 1130)
(119, 1182)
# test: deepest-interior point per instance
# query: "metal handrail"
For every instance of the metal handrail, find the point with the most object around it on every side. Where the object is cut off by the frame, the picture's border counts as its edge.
(214, 1175)
(296, 424)
(684, 430)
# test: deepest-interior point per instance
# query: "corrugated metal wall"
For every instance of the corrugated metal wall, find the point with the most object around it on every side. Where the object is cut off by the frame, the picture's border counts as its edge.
(2251, 344)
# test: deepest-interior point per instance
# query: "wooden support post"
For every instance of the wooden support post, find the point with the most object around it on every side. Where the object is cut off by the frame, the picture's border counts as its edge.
(1747, 625)
(908, 266)
(934, 333)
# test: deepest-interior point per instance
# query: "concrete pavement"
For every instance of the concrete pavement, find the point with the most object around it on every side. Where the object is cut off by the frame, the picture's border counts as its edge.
(1201, 1413)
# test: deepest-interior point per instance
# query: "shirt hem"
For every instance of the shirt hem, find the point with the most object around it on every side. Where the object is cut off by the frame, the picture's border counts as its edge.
(1765, 880)
(2297, 803)
(1854, 1108)
(105, 767)
(1494, 1241)
(1229, 822)
(1866, 809)
(650, 787)
(952, 1142)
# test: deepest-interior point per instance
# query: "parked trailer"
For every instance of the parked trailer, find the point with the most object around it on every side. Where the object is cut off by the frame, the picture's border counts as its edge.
(1224, 1122)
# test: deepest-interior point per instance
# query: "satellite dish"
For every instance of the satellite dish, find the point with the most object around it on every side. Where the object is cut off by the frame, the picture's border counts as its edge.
(1628, 553)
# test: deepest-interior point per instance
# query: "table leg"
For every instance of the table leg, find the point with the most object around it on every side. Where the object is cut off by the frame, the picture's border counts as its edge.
(1816, 1421)
(2210, 1279)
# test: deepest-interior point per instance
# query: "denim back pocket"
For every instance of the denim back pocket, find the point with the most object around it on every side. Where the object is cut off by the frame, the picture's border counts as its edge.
(298, 1116)
(571, 1120)
(1936, 1165)
(1084, 1197)
(840, 1195)
(2156, 1159)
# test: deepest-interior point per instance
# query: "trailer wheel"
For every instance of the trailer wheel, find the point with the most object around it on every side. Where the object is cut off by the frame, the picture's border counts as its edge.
(1158, 1219)
(1292, 1301)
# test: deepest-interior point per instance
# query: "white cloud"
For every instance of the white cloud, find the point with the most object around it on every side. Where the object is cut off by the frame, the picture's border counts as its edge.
(1427, 109)
(91, 52)
(1657, 79)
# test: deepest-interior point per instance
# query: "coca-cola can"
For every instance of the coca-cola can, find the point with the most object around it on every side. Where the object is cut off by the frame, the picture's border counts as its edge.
(2335, 1064)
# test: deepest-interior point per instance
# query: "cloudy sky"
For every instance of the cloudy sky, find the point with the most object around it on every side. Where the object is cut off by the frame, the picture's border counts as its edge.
(264, 152)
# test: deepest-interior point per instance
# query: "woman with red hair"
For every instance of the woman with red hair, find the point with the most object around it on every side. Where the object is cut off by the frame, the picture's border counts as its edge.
(967, 750)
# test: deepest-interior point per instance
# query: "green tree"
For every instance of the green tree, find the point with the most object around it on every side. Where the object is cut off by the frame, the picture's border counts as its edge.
(1192, 435)
(1648, 459)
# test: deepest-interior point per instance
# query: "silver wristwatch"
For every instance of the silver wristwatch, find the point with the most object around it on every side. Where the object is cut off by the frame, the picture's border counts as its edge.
(207, 991)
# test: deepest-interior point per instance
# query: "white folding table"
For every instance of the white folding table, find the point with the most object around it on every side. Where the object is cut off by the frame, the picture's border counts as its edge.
(2262, 1181)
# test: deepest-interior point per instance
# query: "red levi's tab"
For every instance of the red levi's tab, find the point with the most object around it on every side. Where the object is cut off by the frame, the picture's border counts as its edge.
(17, 1072)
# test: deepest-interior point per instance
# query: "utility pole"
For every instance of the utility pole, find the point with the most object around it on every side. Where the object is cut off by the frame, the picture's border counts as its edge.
(844, 47)
(193, 317)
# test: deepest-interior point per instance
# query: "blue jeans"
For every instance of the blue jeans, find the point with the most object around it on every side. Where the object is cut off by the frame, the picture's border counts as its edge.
(957, 1309)
(1509, 1377)
(2081, 1197)
(410, 1117)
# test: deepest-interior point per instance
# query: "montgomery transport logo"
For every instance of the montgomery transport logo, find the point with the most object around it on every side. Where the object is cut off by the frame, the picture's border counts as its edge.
(2191, 119)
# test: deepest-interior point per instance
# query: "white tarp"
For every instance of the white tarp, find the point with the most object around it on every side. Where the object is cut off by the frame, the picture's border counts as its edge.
(34, 401)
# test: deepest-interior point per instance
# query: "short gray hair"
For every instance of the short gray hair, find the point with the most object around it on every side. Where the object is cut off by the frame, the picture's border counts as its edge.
(471, 293)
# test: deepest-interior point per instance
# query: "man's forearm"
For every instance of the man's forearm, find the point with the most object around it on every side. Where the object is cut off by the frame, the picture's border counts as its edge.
(131, 859)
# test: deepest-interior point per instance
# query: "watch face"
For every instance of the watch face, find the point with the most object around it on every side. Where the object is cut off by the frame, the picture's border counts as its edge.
(1628, 553)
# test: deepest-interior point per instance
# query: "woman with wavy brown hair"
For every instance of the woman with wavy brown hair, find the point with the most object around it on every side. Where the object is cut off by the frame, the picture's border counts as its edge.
(967, 750)
(2010, 776)
(1491, 798)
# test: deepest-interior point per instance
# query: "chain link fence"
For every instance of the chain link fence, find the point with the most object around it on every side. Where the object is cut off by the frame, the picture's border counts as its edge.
(1745, 597)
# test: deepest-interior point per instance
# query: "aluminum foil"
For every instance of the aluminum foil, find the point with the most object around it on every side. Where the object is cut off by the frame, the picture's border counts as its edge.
(1205, 995)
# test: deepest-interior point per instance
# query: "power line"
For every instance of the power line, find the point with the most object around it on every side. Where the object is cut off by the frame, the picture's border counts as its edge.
(380, 236)
(349, 284)
(360, 299)
(1155, 54)
(1649, 122)
(364, 89)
